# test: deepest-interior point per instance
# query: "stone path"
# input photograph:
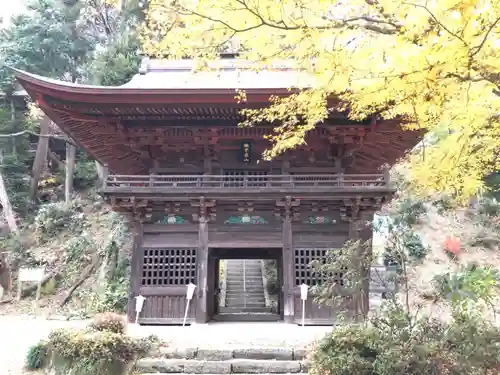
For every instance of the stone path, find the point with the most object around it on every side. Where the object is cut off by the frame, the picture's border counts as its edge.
(18, 333)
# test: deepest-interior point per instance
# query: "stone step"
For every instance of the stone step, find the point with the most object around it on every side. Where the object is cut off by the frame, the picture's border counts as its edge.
(233, 302)
(242, 310)
(247, 292)
(248, 275)
(229, 366)
(222, 354)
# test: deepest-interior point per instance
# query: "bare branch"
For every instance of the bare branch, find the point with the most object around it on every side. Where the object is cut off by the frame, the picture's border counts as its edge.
(478, 48)
(439, 22)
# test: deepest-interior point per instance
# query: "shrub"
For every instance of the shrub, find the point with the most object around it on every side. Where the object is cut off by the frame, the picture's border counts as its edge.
(94, 352)
(395, 343)
(414, 246)
(54, 217)
(108, 322)
(409, 211)
(443, 204)
(37, 356)
(85, 174)
(470, 283)
(489, 207)
(77, 246)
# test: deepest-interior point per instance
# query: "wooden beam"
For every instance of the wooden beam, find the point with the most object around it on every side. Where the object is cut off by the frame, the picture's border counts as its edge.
(288, 265)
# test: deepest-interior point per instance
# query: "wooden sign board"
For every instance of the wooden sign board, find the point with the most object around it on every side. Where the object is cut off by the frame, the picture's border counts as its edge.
(30, 275)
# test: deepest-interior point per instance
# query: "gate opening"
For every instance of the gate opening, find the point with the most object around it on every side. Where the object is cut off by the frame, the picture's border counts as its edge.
(246, 284)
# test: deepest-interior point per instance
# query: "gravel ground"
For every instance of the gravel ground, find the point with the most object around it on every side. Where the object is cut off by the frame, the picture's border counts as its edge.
(20, 332)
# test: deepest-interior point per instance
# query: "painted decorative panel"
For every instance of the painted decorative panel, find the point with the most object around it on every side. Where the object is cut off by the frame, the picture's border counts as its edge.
(246, 219)
(172, 219)
(319, 219)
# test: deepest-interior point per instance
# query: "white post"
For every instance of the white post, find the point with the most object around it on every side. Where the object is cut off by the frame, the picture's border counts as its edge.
(139, 304)
(303, 296)
(189, 296)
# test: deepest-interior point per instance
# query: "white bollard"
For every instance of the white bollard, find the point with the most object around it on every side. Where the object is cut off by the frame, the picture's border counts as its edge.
(189, 296)
(303, 296)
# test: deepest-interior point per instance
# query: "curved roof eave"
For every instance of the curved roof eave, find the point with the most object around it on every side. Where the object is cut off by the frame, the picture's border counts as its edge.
(36, 84)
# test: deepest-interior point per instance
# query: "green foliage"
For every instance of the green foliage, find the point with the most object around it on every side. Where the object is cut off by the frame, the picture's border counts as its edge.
(404, 242)
(108, 322)
(273, 285)
(48, 40)
(118, 63)
(90, 352)
(394, 343)
(78, 246)
(409, 211)
(444, 203)
(115, 296)
(52, 218)
(36, 357)
(19, 250)
(85, 174)
(489, 206)
(468, 284)
(341, 280)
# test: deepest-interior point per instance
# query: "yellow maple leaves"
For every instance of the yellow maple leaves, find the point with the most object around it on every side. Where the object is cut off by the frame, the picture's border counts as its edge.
(436, 62)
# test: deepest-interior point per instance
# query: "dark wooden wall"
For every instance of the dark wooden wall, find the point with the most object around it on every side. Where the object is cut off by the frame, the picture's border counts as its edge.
(182, 253)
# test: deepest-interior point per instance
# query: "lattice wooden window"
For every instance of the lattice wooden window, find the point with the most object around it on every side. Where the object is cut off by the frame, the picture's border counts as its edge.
(305, 274)
(236, 178)
(168, 267)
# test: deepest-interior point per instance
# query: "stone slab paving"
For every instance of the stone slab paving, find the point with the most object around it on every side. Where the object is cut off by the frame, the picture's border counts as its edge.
(20, 332)
(234, 334)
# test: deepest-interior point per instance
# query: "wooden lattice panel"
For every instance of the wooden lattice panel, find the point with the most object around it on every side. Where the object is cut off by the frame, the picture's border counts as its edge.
(305, 274)
(241, 178)
(168, 267)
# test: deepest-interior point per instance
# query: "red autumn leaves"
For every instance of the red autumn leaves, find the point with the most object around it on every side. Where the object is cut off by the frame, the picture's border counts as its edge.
(452, 246)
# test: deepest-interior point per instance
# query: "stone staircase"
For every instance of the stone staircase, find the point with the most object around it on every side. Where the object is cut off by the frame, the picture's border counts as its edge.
(244, 287)
(167, 360)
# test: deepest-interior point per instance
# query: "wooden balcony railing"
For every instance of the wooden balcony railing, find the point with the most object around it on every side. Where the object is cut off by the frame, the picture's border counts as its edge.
(247, 182)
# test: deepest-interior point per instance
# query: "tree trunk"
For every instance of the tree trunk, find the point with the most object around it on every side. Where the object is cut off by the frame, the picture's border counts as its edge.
(7, 208)
(40, 157)
(56, 163)
(5, 202)
(70, 166)
(100, 172)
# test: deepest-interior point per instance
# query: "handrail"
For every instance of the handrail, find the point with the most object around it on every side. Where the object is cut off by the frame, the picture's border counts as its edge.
(246, 181)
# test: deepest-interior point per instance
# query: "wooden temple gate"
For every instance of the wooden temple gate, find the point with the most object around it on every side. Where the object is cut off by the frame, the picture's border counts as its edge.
(193, 182)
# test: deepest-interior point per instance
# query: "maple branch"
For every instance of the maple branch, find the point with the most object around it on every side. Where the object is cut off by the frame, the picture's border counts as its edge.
(372, 22)
(478, 48)
(438, 22)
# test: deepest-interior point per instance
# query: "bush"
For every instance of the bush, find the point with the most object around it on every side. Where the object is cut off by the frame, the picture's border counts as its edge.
(443, 204)
(414, 246)
(54, 217)
(468, 283)
(85, 174)
(77, 246)
(489, 207)
(396, 344)
(409, 211)
(85, 352)
(37, 356)
(110, 322)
